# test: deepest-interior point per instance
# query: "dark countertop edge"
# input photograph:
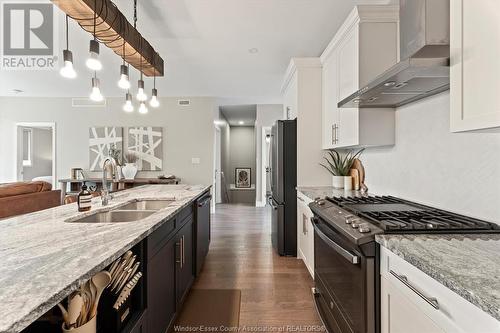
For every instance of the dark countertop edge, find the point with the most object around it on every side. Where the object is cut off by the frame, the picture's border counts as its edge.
(53, 300)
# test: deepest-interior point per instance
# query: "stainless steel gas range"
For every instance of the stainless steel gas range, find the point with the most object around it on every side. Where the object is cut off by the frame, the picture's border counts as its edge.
(346, 268)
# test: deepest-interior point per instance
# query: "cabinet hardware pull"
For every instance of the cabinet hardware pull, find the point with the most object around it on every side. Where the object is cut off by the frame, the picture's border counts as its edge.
(333, 134)
(179, 261)
(183, 251)
(404, 280)
(304, 224)
(336, 133)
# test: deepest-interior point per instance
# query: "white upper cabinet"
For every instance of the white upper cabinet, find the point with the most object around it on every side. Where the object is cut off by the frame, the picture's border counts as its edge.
(364, 47)
(475, 65)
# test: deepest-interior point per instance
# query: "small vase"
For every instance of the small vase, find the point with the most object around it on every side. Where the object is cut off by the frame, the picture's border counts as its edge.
(338, 182)
(348, 183)
(129, 171)
(88, 327)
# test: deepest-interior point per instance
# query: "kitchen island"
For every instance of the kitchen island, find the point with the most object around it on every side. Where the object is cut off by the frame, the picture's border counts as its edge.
(44, 257)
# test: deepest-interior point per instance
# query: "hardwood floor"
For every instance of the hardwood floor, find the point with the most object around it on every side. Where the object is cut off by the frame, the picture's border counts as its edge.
(276, 291)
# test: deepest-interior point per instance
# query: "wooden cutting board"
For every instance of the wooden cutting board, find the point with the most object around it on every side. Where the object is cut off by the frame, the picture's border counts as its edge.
(361, 171)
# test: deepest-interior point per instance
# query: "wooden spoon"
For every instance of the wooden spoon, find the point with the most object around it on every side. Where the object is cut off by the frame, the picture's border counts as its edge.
(74, 309)
(64, 314)
(101, 281)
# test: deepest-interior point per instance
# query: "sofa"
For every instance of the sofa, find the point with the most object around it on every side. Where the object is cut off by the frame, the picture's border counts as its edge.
(27, 197)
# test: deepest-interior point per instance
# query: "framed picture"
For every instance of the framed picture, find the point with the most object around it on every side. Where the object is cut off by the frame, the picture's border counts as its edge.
(243, 177)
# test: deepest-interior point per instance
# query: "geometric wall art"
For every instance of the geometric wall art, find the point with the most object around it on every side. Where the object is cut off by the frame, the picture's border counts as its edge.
(147, 143)
(100, 141)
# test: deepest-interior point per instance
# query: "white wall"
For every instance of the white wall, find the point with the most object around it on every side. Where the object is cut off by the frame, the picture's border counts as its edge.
(429, 164)
(242, 155)
(188, 132)
(267, 114)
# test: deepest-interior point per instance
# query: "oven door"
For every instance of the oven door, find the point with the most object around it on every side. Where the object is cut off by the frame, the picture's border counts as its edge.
(348, 277)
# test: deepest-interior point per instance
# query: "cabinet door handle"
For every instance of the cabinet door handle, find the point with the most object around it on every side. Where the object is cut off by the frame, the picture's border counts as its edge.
(404, 280)
(183, 252)
(179, 244)
(304, 224)
(336, 133)
(333, 134)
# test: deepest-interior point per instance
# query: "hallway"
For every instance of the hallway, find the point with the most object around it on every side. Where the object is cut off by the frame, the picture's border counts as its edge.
(275, 291)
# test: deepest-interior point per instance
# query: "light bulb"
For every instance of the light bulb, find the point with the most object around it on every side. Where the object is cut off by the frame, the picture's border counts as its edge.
(154, 102)
(124, 82)
(141, 96)
(142, 108)
(93, 61)
(128, 107)
(67, 70)
(96, 95)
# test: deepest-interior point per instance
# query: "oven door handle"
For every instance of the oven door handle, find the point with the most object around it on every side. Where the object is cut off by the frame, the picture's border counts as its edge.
(353, 259)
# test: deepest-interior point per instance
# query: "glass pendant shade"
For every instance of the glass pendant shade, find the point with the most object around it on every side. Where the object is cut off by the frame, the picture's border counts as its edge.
(124, 82)
(93, 61)
(142, 108)
(128, 107)
(67, 70)
(96, 95)
(154, 102)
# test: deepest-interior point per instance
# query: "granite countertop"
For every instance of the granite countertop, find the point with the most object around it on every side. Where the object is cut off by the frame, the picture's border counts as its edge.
(43, 258)
(467, 264)
(313, 192)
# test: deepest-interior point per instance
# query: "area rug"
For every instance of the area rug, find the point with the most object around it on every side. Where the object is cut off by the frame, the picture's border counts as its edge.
(214, 309)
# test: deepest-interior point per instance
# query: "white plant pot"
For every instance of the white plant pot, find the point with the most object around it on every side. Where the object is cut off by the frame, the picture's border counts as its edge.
(338, 182)
(129, 171)
(348, 183)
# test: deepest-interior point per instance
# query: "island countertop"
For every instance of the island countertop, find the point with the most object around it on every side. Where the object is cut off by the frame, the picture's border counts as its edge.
(468, 264)
(43, 258)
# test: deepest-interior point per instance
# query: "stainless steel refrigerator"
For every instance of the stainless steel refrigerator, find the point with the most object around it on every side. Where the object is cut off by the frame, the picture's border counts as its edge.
(283, 199)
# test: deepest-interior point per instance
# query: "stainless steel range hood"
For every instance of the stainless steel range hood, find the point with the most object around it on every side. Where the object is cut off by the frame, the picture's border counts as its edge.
(424, 71)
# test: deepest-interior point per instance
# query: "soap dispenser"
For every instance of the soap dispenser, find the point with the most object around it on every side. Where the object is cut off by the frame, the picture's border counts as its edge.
(84, 199)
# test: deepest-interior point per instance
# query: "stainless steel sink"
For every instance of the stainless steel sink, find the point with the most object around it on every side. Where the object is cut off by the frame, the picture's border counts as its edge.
(115, 216)
(147, 205)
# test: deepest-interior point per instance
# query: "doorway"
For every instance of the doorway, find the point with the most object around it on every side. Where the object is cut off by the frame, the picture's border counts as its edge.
(217, 167)
(36, 152)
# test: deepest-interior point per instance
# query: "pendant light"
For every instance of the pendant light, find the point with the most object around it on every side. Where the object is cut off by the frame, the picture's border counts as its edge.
(141, 95)
(67, 70)
(93, 61)
(96, 95)
(124, 82)
(128, 107)
(154, 102)
(143, 109)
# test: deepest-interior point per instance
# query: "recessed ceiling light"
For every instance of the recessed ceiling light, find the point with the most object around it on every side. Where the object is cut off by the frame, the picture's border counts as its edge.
(241, 122)
(253, 50)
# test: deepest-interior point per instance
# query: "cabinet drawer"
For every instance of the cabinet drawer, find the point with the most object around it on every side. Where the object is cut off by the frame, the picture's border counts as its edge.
(444, 306)
(160, 236)
(184, 214)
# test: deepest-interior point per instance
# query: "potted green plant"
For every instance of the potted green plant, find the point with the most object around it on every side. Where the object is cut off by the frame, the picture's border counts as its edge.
(130, 169)
(339, 165)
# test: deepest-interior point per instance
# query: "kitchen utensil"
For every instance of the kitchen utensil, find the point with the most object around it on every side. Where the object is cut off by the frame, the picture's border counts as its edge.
(101, 280)
(125, 293)
(354, 173)
(118, 279)
(64, 313)
(119, 269)
(124, 281)
(74, 309)
(88, 327)
(114, 266)
(361, 170)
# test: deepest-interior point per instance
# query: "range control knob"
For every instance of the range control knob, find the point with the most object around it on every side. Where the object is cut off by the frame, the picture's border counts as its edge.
(354, 225)
(350, 218)
(321, 202)
(364, 229)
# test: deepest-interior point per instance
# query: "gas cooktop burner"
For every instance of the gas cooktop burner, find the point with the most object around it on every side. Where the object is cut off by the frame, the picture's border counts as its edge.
(396, 215)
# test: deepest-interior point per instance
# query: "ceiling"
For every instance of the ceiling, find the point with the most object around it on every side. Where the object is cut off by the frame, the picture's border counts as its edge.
(240, 115)
(237, 50)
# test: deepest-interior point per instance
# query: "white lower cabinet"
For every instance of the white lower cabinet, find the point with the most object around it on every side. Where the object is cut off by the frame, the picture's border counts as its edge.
(305, 232)
(413, 302)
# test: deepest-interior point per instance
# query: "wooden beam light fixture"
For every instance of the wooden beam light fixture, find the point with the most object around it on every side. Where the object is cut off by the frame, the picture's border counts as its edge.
(114, 31)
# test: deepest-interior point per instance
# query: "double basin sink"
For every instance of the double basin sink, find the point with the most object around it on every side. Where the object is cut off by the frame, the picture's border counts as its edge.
(129, 212)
